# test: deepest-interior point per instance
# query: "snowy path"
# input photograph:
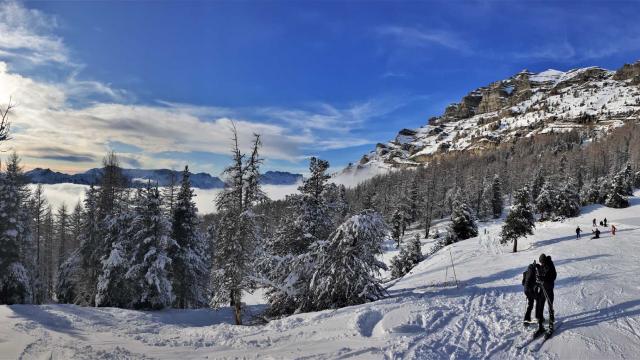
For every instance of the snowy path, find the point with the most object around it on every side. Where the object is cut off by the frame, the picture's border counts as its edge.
(597, 307)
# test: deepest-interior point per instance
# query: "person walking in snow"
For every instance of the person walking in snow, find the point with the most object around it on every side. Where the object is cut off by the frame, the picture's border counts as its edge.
(530, 290)
(596, 233)
(613, 230)
(594, 222)
(545, 279)
(578, 231)
(605, 222)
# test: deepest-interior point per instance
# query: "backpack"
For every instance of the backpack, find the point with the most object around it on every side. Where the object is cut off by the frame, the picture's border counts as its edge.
(529, 278)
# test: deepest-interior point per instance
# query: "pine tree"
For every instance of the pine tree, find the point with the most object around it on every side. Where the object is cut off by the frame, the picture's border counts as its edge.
(463, 223)
(114, 288)
(38, 210)
(496, 198)
(49, 255)
(399, 222)
(89, 260)
(15, 237)
(289, 262)
(546, 202)
(149, 269)
(628, 180)
(410, 255)
(237, 239)
(520, 220)
(62, 235)
(189, 254)
(591, 193)
(537, 185)
(346, 264)
(75, 226)
(169, 194)
(616, 196)
(568, 200)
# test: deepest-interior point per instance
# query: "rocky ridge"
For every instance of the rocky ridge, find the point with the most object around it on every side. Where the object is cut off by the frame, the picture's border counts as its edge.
(527, 104)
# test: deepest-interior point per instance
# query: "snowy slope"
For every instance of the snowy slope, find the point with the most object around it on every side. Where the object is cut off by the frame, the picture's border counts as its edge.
(590, 99)
(425, 317)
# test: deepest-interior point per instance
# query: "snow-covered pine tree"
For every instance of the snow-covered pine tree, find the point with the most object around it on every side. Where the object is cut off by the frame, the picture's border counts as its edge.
(48, 254)
(537, 184)
(413, 200)
(75, 226)
(169, 194)
(288, 263)
(410, 255)
(605, 188)
(628, 180)
(189, 263)
(15, 238)
(346, 264)
(89, 262)
(520, 220)
(62, 235)
(399, 221)
(546, 202)
(590, 193)
(616, 195)
(462, 221)
(237, 239)
(497, 202)
(114, 288)
(149, 269)
(38, 206)
(101, 203)
(568, 200)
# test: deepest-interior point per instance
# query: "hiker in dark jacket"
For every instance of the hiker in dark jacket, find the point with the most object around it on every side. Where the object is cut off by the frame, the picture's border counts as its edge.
(530, 289)
(578, 231)
(545, 279)
(605, 222)
(596, 234)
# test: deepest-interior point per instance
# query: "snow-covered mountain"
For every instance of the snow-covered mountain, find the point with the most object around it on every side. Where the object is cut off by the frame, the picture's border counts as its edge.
(425, 316)
(526, 104)
(161, 176)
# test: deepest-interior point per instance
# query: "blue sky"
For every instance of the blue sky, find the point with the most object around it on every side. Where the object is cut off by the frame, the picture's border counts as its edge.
(159, 82)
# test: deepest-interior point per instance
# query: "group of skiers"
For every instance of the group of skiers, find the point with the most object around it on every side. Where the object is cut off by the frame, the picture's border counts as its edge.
(538, 282)
(595, 230)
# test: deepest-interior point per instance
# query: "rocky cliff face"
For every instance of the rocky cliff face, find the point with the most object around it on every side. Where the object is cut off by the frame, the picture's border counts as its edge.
(526, 104)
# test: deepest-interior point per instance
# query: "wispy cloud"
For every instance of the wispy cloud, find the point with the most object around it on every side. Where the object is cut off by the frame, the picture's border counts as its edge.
(25, 35)
(419, 37)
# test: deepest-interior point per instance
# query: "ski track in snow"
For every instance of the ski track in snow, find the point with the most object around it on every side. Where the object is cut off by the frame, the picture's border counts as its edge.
(597, 304)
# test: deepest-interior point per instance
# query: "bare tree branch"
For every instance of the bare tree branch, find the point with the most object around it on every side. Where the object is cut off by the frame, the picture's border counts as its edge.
(5, 125)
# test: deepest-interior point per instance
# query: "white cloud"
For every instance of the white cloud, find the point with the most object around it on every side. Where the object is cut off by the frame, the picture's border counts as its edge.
(69, 124)
(25, 36)
(417, 37)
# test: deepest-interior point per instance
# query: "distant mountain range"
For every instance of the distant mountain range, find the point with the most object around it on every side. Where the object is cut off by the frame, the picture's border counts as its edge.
(162, 177)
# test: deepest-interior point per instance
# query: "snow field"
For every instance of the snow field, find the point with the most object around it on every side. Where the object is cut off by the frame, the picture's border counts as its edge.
(425, 317)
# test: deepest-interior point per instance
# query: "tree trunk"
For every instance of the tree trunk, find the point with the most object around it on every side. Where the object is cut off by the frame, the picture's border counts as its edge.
(515, 245)
(238, 309)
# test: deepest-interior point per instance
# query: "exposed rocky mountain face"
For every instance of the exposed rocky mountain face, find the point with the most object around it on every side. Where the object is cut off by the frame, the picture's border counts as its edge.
(592, 99)
(162, 177)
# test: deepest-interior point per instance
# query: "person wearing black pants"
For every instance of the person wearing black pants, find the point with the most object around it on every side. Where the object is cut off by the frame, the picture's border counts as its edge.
(530, 290)
(546, 277)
